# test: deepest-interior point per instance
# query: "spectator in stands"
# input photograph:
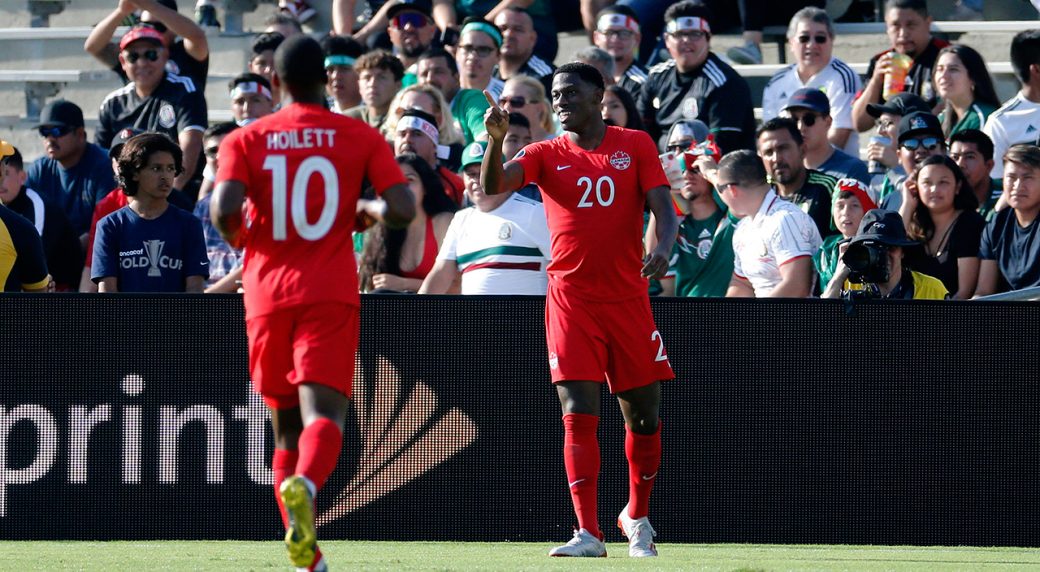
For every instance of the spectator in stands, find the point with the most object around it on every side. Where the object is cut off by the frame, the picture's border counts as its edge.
(782, 149)
(884, 229)
(412, 32)
(379, 77)
(206, 14)
(883, 149)
(341, 54)
(73, 173)
(416, 133)
(148, 246)
(156, 101)
(908, 26)
(618, 32)
(619, 108)
(22, 262)
(540, 12)
(810, 107)
(966, 88)
(251, 98)
(374, 34)
(262, 61)
(500, 245)
(851, 200)
(774, 242)
(696, 84)
(225, 262)
(285, 24)
(1010, 249)
(477, 55)
(704, 247)
(299, 10)
(526, 96)
(599, 59)
(398, 260)
(518, 41)
(437, 68)
(939, 211)
(518, 136)
(188, 56)
(1018, 120)
(60, 242)
(429, 99)
(920, 137)
(754, 16)
(810, 40)
(972, 150)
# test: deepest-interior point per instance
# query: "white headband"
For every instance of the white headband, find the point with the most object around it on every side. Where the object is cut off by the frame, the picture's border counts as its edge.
(688, 23)
(250, 87)
(412, 122)
(607, 21)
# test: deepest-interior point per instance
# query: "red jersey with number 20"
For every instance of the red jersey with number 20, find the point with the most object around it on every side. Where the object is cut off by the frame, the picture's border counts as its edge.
(303, 169)
(594, 205)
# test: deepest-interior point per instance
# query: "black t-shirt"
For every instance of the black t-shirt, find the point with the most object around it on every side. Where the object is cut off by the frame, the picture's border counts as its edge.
(919, 78)
(1016, 249)
(176, 105)
(180, 63)
(537, 68)
(963, 242)
(814, 198)
(714, 93)
(633, 79)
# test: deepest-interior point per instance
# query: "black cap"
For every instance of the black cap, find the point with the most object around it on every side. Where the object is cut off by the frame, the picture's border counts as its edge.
(884, 227)
(919, 122)
(424, 7)
(61, 113)
(898, 104)
(125, 134)
(809, 98)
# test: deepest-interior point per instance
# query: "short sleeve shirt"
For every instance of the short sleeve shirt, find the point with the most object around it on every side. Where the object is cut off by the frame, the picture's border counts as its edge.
(77, 189)
(176, 105)
(633, 79)
(836, 79)
(704, 252)
(303, 168)
(594, 204)
(841, 165)
(1017, 121)
(963, 242)
(919, 76)
(777, 234)
(814, 198)
(1016, 249)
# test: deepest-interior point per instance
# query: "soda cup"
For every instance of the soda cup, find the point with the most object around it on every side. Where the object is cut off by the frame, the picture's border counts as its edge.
(874, 167)
(895, 80)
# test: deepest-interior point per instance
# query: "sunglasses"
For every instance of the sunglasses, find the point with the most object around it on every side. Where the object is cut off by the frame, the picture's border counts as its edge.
(516, 102)
(55, 131)
(808, 119)
(150, 55)
(679, 147)
(157, 26)
(211, 152)
(929, 144)
(480, 51)
(414, 18)
(819, 39)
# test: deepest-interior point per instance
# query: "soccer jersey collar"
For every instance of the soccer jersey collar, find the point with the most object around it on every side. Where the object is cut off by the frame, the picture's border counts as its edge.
(767, 203)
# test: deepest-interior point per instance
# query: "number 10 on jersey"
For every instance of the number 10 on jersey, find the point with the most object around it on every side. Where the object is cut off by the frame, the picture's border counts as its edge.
(297, 202)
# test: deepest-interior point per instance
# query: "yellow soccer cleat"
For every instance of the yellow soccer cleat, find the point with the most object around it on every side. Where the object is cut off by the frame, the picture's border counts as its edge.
(301, 536)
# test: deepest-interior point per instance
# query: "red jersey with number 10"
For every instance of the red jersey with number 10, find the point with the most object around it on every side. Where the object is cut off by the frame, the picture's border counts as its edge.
(303, 169)
(594, 205)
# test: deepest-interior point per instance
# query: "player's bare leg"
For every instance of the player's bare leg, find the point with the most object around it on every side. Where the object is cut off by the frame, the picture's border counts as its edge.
(323, 411)
(580, 401)
(641, 408)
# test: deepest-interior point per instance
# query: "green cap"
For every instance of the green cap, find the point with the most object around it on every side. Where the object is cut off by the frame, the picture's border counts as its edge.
(472, 154)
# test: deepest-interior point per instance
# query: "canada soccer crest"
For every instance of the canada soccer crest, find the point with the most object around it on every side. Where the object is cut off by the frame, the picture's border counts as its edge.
(620, 160)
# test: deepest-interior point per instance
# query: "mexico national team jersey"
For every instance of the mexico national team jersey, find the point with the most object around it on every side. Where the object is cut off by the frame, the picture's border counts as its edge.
(303, 169)
(594, 205)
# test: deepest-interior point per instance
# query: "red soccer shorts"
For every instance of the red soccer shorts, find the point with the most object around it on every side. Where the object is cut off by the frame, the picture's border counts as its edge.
(616, 342)
(314, 343)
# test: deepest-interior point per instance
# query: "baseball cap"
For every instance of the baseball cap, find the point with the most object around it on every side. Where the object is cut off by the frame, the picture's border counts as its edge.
(882, 226)
(859, 190)
(688, 131)
(473, 154)
(140, 32)
(424, 7)
(124, 135)
(809, 98)
(898, 104)
(919, 122)
(60, 113)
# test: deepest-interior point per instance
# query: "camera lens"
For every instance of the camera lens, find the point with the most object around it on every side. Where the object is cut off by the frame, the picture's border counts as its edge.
(859, 257)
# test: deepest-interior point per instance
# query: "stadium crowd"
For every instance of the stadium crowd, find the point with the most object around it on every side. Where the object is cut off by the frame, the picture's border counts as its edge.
(938, 200)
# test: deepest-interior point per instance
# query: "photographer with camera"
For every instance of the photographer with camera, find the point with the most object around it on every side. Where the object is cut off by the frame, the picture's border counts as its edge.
(872, 264)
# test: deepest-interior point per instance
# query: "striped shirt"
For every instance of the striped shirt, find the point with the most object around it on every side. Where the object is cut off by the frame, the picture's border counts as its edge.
(1017, 121)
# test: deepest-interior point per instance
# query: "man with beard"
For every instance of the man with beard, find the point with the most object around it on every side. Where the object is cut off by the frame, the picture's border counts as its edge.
(412, 32)
(417, 133)
(518, 40)
(704, 249)
(782, 149)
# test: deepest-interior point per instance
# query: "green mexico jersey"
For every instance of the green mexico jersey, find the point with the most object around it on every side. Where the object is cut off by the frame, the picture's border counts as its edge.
(705, 255)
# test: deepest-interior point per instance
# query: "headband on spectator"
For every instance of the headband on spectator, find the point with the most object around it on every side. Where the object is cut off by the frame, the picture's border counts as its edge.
(428, 129)
(250, 87)
(688, 23)
(339, 60)
(608, 21)
(488, 29)
(859, 190)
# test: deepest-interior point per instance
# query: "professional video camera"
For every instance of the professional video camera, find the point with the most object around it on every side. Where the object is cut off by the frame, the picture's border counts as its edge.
(868, 265)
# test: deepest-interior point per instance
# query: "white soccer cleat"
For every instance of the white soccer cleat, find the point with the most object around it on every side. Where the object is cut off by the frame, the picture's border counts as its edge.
(582, 544)
(639, 533)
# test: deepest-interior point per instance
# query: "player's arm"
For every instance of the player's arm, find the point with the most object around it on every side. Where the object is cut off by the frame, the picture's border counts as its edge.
(494, 177)
(396, 207)
(666, 224)
(740, 287)
(795, 279)
(226, 211)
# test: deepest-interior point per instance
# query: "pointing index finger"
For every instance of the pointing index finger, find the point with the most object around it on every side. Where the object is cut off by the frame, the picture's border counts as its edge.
(491, 100)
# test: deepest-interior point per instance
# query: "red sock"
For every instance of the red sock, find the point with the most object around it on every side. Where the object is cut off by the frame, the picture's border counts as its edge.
(581, 459)
(283, 463)
(644, 458)
(320, 443)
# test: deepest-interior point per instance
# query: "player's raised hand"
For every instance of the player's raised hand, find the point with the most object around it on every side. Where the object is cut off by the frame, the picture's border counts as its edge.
(496, 120)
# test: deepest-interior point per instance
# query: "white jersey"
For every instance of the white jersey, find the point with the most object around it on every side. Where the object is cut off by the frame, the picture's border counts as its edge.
(778, 233)
(836, 79)
(1017, 121)
(504, 251)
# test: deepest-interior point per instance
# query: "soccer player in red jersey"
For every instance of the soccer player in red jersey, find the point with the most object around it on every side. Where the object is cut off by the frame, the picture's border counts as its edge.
(595, 181)
(299, 172)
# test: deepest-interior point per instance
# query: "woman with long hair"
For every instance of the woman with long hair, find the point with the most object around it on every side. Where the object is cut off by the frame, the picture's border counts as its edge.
(939, 211)
(619, 108)
(398, 259)
(963, 82)
(429, 99)
(526, 95)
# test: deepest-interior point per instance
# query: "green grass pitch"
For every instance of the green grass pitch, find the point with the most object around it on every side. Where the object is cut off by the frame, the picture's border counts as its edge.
(344, 555)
